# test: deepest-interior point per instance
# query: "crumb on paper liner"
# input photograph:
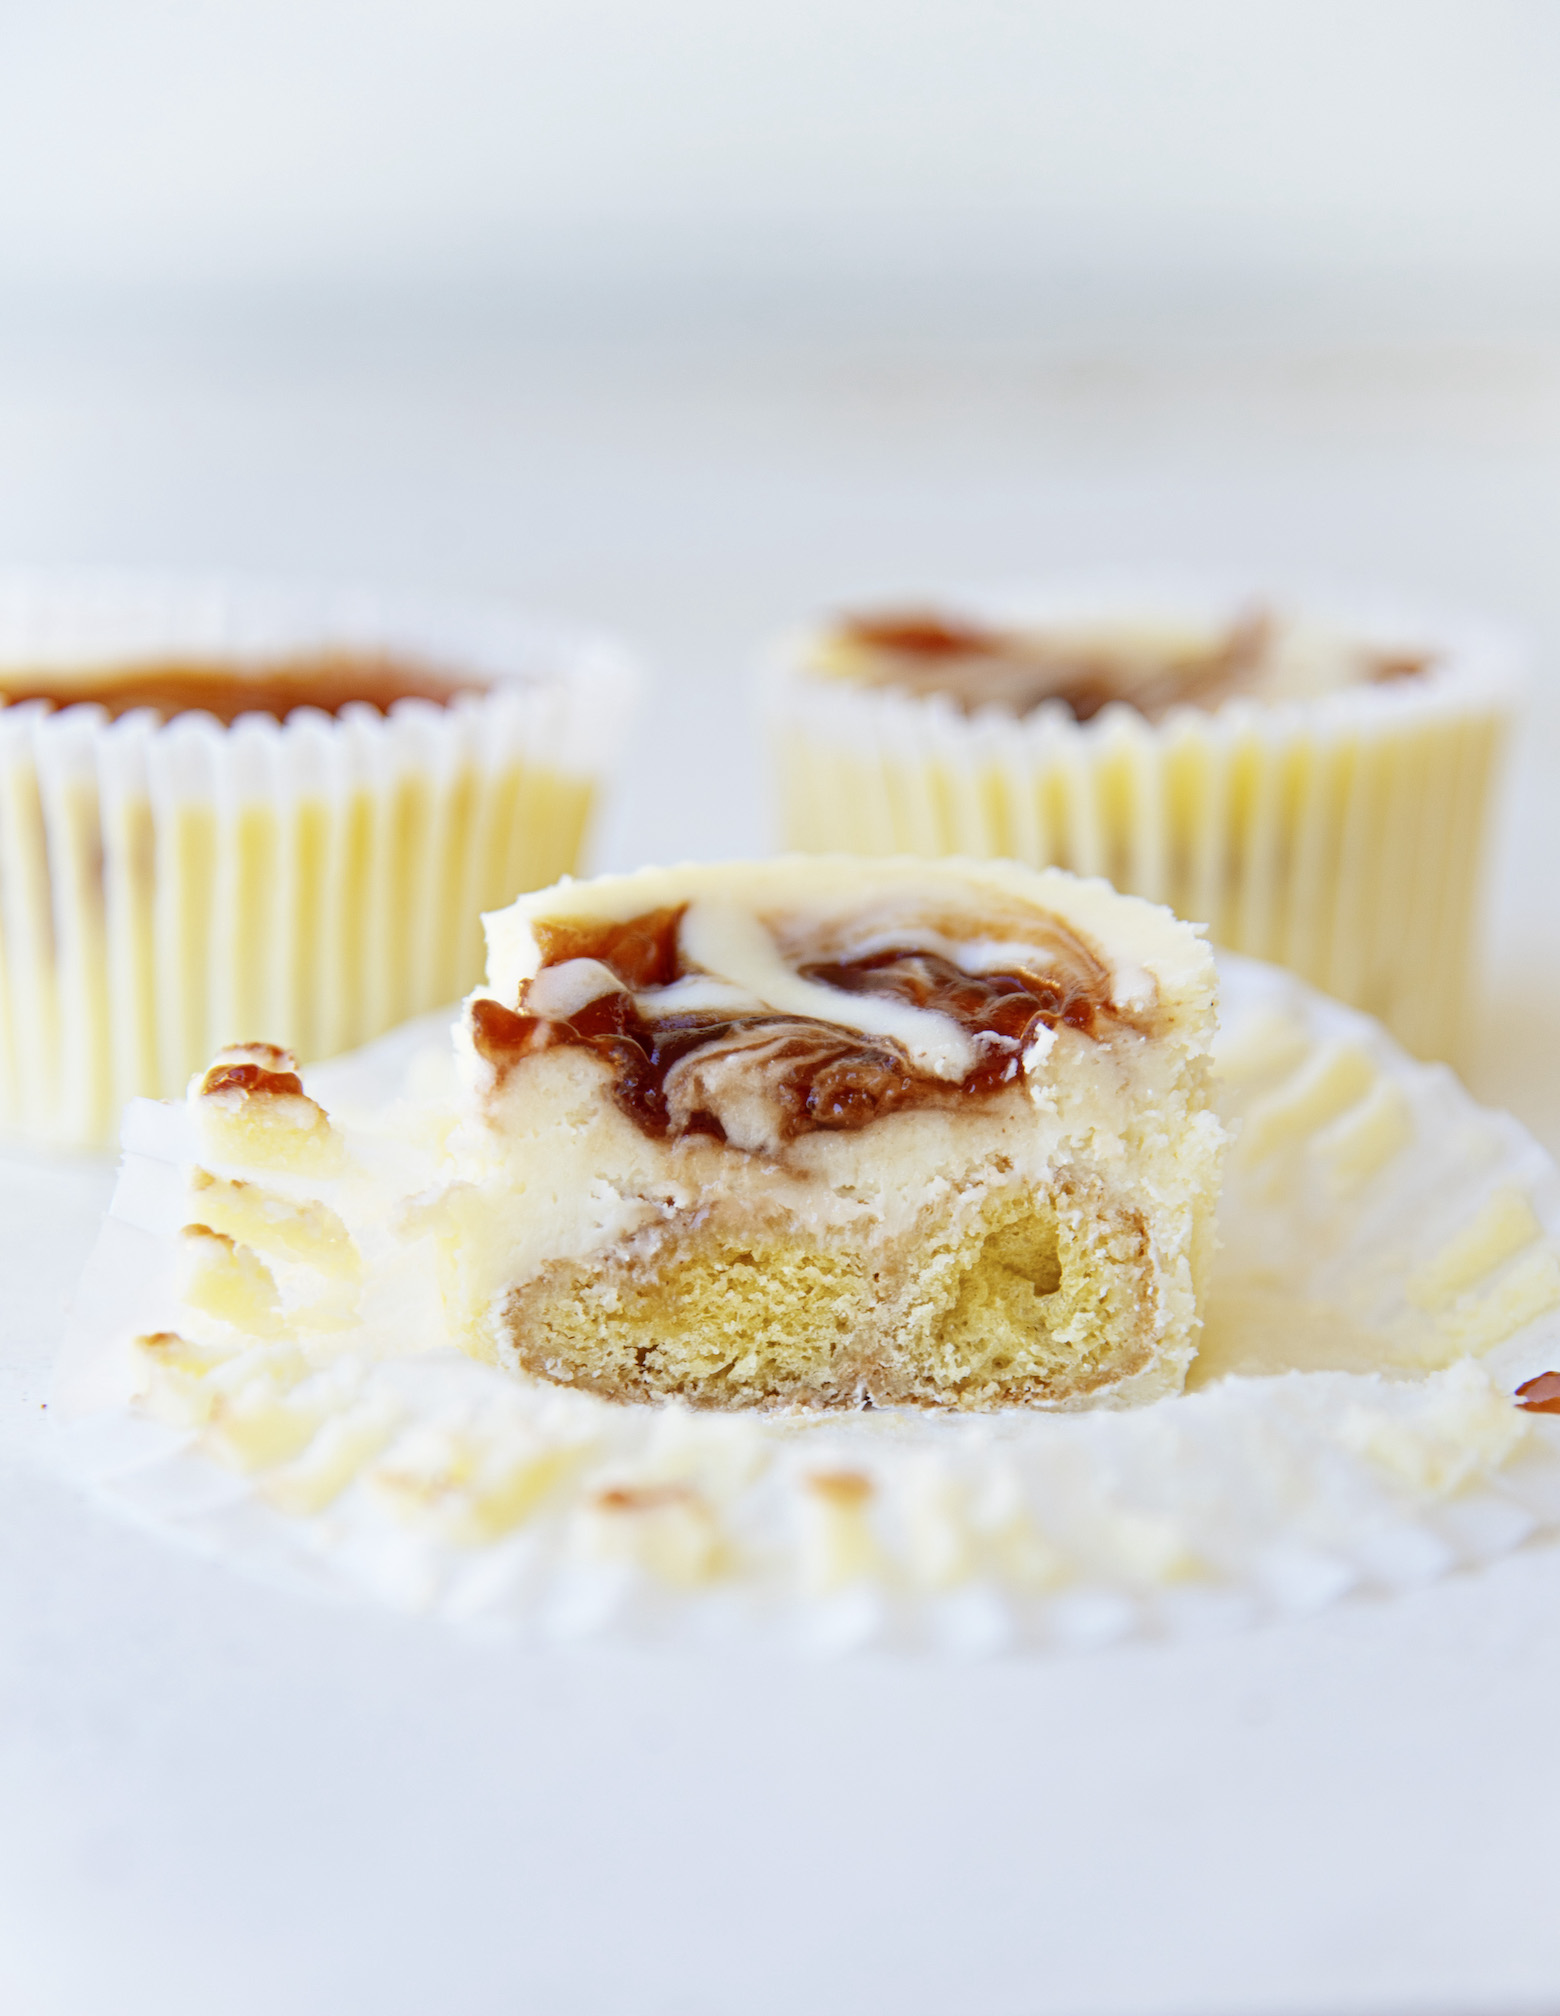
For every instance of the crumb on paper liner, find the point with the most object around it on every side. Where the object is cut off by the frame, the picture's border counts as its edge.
(1390, 1274)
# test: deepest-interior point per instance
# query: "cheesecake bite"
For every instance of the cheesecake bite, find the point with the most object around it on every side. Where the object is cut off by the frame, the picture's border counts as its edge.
(232, 810)
(836, 1132)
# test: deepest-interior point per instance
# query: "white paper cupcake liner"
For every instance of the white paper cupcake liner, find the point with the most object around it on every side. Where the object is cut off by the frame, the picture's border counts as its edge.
(166, 888)
(1390, 1273)
(1342, 836)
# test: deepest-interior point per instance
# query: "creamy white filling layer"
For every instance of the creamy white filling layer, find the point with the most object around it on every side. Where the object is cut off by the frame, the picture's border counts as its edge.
(582, 1179)
(729, 940)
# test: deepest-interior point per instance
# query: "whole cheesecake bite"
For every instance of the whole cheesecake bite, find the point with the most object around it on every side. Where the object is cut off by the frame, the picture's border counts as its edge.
(232, 810)
(830, 1132)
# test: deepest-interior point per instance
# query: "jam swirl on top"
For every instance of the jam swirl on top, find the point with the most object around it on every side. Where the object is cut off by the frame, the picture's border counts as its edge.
(976, 665)
(687, 1073)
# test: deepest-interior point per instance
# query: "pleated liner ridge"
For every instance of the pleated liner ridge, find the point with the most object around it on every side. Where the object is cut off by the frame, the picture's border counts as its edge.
(167, 888)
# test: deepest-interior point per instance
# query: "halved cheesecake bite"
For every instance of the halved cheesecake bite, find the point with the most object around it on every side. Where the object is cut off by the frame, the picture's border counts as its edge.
(828, 1132)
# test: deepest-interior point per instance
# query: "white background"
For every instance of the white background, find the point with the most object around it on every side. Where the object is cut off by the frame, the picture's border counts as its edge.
(683, 319)
(190, 138)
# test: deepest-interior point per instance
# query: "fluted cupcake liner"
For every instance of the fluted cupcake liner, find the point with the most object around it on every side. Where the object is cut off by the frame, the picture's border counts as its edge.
(171, 885)
(1341, 836)
(1389, 1277)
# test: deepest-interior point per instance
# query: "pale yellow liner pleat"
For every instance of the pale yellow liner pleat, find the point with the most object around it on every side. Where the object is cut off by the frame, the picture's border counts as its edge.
(168, 890)
(313, 833)
(188, 831)
(27, 911)
(73, 842)
(130, 903)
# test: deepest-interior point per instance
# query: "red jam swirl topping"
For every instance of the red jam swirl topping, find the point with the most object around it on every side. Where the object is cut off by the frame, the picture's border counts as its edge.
(668, 1070)
(980, 665)
(327, 680)
(642, 953)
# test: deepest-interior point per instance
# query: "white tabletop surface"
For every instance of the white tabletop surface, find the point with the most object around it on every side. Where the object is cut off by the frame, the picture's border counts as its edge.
(214, 1797)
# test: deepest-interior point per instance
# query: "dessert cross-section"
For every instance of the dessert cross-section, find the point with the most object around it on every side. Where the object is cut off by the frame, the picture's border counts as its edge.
(832, 1132)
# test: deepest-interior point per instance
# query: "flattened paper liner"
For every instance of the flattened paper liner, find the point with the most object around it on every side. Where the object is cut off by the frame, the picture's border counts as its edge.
(1390, 1273)
(1340, 835)
(170, 887)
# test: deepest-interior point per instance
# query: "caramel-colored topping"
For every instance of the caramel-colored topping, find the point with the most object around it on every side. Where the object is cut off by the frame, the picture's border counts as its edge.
(819, 1075)
(1387, 666)
(975, 665)
(644, 1497)
(924, 634)
(328, 680)
(1540, 1395)
(642, 952)
(847, 1489)
(248, 1079)
(248, 1068)
(269, 1056)
(253, 1067)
